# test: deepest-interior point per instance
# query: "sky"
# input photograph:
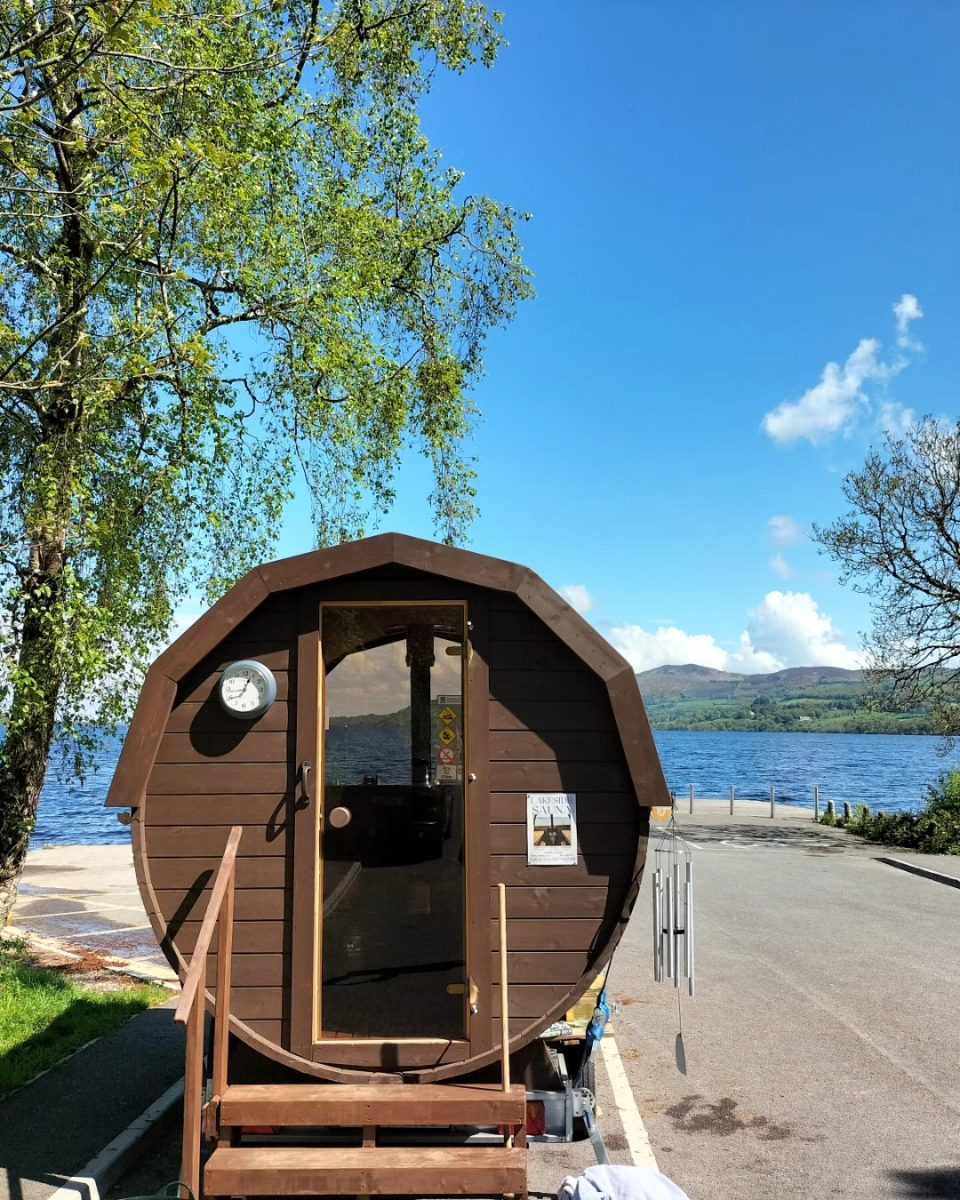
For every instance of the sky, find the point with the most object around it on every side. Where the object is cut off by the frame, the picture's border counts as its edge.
(745, 242)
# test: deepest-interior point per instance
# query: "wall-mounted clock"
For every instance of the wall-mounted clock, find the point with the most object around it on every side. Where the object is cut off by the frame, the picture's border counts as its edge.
(247, 689)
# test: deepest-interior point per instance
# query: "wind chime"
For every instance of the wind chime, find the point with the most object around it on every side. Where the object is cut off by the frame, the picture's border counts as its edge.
(673, 909)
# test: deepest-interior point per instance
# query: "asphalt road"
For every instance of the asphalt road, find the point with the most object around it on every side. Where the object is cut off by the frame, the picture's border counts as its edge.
(823, 1045)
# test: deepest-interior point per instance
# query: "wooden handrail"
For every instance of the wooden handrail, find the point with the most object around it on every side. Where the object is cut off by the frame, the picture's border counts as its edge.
(190, 1010)
(196, 972)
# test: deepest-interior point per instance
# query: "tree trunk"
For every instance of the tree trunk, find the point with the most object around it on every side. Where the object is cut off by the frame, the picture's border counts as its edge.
(26, 746)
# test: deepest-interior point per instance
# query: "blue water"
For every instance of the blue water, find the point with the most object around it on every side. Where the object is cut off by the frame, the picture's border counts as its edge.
(886, 771)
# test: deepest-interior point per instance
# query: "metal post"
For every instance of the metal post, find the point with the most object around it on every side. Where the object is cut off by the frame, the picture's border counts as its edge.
(773, 802)
(733, 792)
(691, 797)
(831, 809)
(846, 810)
(816, 804)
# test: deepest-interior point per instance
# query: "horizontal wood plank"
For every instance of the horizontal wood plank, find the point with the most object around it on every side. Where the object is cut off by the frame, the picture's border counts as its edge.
(177, 905)
(556, 777)
(599, 839)
(260, 872)
(240, 746)
(510, 808)
(209, 716)
(249, 937)
(540, 933)
(258, 1003)
(352, 1105)
(256, 970)
(530, 1001)
(547, 713)
(209, 841)
(213, 778)
(525, 655)
(277, 1032)
(509, 685)
(516, 745)
(275, 620)
(271, 652)
(367, 1171)
(268, 810)
(613, 870)
(541, 967)
(559, 903)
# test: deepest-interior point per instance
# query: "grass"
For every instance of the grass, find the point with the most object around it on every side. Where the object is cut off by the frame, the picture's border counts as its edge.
(48, 1012)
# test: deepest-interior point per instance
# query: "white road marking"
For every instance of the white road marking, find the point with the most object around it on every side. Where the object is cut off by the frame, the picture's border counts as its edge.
(639, 1144)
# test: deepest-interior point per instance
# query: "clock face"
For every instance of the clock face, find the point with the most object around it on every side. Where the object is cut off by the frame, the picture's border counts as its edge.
(247, 689)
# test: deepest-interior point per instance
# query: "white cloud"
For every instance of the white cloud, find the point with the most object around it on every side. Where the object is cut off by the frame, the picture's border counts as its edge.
(834, 403)
(785, 531)
(786, 629)
(896, 419)
(780, 566)
(790, 626)
(907, 309)
(577, 596)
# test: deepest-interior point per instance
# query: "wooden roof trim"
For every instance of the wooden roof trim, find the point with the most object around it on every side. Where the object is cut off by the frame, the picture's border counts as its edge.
(578, 634)
(636, 737)
(140, 746)
(195, 643)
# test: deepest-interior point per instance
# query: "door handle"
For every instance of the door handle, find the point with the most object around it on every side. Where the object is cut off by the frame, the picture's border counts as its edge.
(304, 784)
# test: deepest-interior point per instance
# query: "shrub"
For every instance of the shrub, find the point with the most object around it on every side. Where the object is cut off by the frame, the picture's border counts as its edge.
(933, 830)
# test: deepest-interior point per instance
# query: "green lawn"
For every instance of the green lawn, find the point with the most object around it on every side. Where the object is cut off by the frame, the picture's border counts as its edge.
(46, 1015)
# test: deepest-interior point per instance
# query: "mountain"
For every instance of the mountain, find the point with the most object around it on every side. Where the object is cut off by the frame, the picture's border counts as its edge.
(693, 681)
(797, 699)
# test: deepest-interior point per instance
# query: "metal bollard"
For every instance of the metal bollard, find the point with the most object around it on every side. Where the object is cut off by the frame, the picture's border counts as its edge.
(831, 809)
(773, 802)
(816, 804)
(847, 813)
(691, 797)
(733, 792)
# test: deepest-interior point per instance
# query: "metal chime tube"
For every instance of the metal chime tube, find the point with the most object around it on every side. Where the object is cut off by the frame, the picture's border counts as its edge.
(668, 927)
(688, 925)
(675, 927)
(658, 926)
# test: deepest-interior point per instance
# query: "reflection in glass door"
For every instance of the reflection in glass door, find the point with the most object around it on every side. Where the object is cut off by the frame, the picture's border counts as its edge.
(392, 942)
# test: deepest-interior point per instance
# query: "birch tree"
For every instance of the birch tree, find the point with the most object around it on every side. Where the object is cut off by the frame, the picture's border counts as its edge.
(229, 259)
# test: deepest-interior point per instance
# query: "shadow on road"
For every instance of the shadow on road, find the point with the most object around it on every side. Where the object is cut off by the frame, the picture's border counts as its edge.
(811, 838)
(931, 1183)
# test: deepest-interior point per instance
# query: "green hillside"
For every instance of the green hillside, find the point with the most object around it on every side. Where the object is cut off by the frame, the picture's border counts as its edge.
(797, 700)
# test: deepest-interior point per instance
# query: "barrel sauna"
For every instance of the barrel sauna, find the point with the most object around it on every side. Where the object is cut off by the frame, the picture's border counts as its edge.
(398, 726)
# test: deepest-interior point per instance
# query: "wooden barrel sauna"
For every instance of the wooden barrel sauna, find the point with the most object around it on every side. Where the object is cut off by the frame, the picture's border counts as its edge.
(398, 726)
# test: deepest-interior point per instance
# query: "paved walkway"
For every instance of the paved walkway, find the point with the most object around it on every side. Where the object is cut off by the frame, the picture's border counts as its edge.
(86, 898)
(752, 1049)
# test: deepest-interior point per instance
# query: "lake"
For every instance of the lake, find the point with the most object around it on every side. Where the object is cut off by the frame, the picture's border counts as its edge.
(886, 771)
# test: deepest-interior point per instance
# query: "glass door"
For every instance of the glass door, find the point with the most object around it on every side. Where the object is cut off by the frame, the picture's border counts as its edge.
(393, 927)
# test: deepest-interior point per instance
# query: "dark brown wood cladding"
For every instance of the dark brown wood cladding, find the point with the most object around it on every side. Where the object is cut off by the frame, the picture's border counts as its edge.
(549, 724)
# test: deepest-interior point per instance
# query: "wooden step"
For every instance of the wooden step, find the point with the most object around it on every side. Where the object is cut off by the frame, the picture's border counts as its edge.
(394, 1104)
(365, 1171)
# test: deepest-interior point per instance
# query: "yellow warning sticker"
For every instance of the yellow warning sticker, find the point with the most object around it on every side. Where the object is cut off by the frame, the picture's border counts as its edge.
(448, 715)
(447, 735)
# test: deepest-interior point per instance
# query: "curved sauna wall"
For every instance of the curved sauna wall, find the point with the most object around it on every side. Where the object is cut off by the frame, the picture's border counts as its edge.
(442, 722)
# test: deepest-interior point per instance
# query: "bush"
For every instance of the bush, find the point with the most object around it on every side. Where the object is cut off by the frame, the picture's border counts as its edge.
(933, 830)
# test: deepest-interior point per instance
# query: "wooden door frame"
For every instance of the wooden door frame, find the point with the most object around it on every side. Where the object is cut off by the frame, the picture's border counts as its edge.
(389, 1054)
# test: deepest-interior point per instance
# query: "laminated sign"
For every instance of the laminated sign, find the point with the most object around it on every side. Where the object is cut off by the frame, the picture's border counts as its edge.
(552, 829)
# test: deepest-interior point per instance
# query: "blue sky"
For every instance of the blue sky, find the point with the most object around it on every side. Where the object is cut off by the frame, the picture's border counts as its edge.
(727, 198)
